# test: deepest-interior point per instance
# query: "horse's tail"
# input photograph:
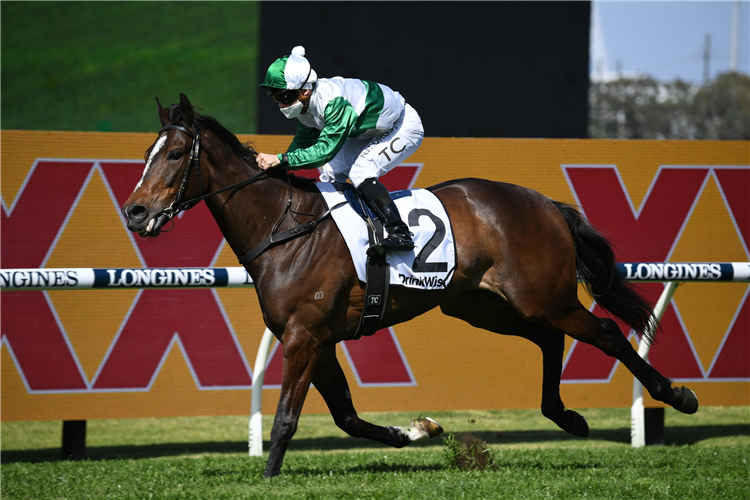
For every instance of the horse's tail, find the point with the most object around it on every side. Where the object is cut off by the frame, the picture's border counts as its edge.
(597, 269)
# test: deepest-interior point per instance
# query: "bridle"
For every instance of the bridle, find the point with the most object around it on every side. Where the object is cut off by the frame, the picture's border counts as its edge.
(178, 205)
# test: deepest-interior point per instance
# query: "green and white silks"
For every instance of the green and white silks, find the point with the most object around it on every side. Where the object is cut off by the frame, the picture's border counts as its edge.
(354, 129)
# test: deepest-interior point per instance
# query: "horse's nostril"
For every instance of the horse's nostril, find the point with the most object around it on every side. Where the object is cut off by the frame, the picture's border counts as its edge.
(137, 213)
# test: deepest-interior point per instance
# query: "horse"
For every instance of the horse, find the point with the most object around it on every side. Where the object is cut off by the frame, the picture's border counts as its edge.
(519, 258)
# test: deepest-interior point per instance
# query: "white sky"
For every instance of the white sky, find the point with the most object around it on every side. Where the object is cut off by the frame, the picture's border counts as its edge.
(667, 39)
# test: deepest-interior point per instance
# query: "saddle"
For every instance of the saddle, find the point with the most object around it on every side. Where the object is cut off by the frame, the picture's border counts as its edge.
(360, 207)
(429, 267)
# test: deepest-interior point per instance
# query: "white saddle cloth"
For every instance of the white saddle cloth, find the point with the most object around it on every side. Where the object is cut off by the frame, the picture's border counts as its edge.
(429, 266)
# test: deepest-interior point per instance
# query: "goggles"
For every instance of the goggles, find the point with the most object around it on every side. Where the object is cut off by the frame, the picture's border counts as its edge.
(289, 96)
(285, 96)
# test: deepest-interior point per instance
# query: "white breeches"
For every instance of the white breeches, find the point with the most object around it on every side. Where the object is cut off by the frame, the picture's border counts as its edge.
(359, 159)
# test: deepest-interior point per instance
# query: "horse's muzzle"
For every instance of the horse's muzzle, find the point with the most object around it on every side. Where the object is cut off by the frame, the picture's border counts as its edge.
(143, 221)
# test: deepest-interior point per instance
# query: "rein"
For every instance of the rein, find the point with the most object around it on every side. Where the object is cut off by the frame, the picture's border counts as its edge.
(178, 205)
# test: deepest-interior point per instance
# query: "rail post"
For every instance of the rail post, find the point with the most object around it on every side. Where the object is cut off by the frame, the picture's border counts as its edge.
(255, 426)
(637, 411)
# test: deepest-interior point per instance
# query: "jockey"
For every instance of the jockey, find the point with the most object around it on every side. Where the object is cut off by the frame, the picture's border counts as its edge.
(353, 129)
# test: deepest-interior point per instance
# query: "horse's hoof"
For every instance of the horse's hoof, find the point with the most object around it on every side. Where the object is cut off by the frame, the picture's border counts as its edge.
(689, 403)
(580, 426)
(424, 428)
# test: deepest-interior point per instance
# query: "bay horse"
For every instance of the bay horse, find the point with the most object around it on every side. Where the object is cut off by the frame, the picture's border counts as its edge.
(519, 257)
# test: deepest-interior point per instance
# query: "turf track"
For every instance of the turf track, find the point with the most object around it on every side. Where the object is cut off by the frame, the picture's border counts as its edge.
(706, 457)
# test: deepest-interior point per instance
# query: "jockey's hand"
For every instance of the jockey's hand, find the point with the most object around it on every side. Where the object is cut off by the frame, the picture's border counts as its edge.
(266, 161)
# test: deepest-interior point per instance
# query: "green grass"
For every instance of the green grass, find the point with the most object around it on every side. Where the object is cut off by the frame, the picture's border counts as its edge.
(92, 66)
(682, 472)
(706, 457)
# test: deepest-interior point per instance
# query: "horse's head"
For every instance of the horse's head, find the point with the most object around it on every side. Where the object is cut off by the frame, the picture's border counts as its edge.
(164, 182)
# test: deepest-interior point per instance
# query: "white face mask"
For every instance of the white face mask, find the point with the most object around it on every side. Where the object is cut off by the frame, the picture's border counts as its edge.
(292, 111)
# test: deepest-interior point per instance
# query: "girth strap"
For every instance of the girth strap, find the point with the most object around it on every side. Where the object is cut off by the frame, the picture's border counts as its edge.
(376, 288)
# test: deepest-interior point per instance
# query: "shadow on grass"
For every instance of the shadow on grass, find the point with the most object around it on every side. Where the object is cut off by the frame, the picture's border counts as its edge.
(128, 451)
(674, 435)
(369, 468)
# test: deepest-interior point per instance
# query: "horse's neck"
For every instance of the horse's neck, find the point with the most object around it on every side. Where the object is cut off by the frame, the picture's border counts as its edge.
(247, 217)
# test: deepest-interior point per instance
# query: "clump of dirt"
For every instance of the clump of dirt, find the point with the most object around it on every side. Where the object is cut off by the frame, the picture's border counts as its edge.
(466, 452)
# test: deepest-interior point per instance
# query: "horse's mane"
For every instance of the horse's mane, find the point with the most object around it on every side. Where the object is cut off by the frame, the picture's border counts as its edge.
(244, 152)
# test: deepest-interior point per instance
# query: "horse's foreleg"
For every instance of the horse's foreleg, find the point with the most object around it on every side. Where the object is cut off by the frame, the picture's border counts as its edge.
(301, 353)
(330, 381)
(604, 334)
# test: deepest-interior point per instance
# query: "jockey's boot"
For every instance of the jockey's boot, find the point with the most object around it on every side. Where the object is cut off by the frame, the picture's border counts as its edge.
(379, 199)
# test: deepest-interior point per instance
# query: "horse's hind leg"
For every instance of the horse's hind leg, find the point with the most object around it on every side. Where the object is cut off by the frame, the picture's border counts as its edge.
(330, 381)
(604, 334)
(484, 309)
(552, 345)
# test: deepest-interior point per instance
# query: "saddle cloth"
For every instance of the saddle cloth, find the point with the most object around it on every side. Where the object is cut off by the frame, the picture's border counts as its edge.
(429, 266)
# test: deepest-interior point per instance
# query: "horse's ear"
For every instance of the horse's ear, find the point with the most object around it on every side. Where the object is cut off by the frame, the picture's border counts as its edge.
(163, 114)
(186, 109)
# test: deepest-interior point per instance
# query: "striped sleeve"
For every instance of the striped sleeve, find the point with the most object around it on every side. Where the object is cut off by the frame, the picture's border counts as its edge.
(340, 120)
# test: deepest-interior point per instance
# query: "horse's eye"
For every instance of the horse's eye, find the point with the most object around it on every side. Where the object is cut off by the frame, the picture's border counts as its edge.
(175, 155)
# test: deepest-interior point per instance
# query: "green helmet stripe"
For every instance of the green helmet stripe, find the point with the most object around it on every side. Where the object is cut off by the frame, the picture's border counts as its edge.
(275, 74)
